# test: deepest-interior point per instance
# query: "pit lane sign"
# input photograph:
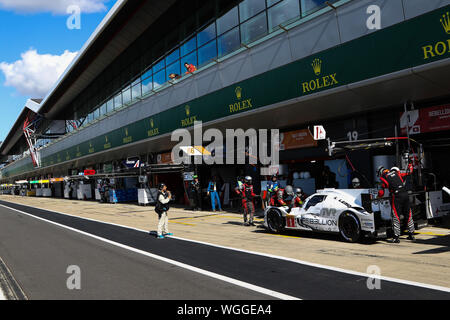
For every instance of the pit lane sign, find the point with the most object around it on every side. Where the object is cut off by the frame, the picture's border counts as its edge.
(319, 133)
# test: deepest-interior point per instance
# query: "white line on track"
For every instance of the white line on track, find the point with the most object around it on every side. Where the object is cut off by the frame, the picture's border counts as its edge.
(2, 296)
(239, 283)
(351, 272)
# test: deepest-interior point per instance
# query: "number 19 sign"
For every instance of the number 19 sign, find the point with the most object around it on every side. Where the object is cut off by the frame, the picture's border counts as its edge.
(319, 133)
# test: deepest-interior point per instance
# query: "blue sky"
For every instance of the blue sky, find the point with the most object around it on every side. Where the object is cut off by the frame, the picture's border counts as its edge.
(36, 45)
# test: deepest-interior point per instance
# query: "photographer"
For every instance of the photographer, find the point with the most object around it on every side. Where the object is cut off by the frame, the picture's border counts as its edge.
(162, 207)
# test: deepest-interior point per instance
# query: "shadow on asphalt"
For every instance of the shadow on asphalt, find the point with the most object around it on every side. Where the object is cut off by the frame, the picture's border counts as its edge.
(443, 241)
(316, 235)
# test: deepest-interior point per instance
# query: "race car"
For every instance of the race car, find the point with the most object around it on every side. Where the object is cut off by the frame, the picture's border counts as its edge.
(350, 213)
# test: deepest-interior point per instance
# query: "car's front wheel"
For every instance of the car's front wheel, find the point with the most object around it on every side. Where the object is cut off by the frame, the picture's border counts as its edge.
(275, 221)
(349, 227)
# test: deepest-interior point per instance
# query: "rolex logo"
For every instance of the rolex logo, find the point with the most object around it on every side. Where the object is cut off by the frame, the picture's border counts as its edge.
(188, 110)
(238, 92)
(126, 132)
(106, 139)
(445, 21)
(152, 124)
(317, 66)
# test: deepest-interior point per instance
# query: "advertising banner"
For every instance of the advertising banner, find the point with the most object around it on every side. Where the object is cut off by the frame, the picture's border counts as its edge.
(427, 120)
(297, 139)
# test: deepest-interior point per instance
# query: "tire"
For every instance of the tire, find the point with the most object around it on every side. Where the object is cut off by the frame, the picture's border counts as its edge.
(349, 227)
(275, 221)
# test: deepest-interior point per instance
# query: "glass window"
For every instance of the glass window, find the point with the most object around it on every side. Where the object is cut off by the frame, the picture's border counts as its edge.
(158, 66)
(229, 42)
(136, 81)
(118, 101)
(173, 57)
(207, 53)
(249, 8)
(147, 74)
(254, 28)
(126, 95)
(159, 79)
(272, 2)
(188, 46)
(309, 6)
(228, 21)
(191, 59)
(110, 105)
(103, 110)
(315, 201)
(90, 117)
(283, 12)
(136, 91)
(206, 35)
(147, 85)
(96, 113)
(173, 68)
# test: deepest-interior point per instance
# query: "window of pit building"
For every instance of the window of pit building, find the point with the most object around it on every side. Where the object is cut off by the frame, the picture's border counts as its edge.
(103, 110)
(250, 8)
(147, 85)
(110, 105)
(229, 42)
(282, 12)
(207, 53)
(191, 59)
(254, 28)
(310, 6)
(136, 90)
(118, 101)
(207, 34)
(173, 68)
(188, 47)
(126, 95)
(228, 21)
(159, 79)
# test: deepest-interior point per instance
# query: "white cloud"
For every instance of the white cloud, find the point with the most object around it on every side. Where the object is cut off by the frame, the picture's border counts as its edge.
(35, 74)
(53, 6)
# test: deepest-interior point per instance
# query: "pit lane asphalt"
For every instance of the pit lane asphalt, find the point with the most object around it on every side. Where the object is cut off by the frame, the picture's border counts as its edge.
(39, 253)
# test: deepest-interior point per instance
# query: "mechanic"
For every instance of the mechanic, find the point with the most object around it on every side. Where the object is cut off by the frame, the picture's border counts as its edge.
(196, 190)
(298, 201)
(356, 184)
(248, 203)
(278, 199)
(394, 181)
(273, 186)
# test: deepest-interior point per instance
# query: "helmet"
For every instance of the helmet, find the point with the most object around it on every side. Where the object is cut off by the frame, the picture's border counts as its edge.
(298, 191)
(161, 186)
(195, 177)
(248, 179)
(280, 194)
(380, 171)
(395, 169)
(274, 177)
(356, 183)
(289, 190)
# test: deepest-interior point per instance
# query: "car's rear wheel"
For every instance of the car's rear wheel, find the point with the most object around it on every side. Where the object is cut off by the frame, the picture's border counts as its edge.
(275, 221)
(349, 227)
